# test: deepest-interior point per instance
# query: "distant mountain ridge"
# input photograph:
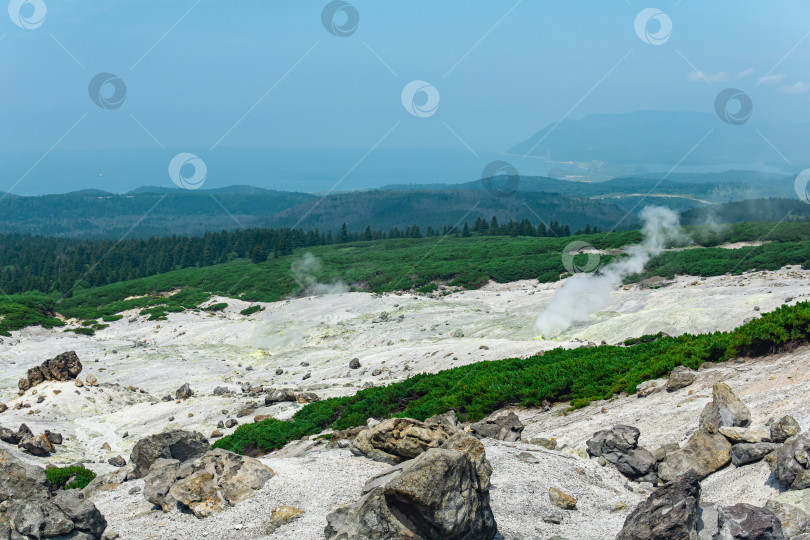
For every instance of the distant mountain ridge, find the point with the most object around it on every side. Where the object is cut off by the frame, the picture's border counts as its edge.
(668, 138)
(157, 211)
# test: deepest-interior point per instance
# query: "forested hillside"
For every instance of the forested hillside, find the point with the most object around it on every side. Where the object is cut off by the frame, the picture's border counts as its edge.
(159, 212)
(50, 264)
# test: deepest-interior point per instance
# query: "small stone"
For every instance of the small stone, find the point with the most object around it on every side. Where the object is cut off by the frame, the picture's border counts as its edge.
(106, 446)
(184, 392)
(551, 443)
(561, 499)
(354, 363)
(215, 434)
(91, 380)
(117, 461)
(279, 371)
(282, 515)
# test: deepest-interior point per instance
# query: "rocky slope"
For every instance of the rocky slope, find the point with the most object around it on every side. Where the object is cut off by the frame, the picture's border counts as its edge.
(307, 346)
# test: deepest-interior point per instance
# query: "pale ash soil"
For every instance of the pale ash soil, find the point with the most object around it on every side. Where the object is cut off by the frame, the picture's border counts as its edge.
(326, 332)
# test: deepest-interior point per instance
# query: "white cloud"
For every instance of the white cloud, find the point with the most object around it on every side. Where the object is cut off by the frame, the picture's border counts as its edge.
(772, 79)
(701, 76)
(795, 88)
(744, 74)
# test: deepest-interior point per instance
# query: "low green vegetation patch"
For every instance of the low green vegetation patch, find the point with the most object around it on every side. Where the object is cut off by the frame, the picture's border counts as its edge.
(251, 310)
(578, 376)
(69, 477)
(217, 307)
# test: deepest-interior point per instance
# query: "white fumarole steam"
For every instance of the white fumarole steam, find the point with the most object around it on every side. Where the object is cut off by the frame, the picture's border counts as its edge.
(583, 294)
(303, 272)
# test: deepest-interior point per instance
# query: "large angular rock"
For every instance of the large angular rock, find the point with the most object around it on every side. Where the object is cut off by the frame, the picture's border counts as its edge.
(277, 396)
(177, 444)
(30, 510)
(703, 453)
(681, 377)
(794, 520)
(792, 464)
(60, 368)
(746, 435)
(707, 526)
(20, 480)
(398, 439)
(725, 410)
(162, 475)
(504, 427)
(784, 428)
(220, 479)
(670, 513)
(747, 522)
(707, 450)
(467, 444)
(619, 446)
(207, 485)
(437, 495)
(36, 445)
(798, 498)
(744, 453)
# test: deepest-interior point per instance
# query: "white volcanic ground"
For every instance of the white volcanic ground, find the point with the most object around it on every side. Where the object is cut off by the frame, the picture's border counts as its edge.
(420, 334)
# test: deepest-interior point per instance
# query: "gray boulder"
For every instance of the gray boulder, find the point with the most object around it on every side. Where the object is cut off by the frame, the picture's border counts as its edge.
(794, 520)
(703, 453)
(707, 450)
(681, 377)
(59, 368)
(670, 513)
(504, 427)
(177, 444)
(707, 526)
(748, 522)
(20, 480)
(207, 485)
(398, 439)
(784, 428)
(282, 394)
(619, 446)
(36, 445)
(436, 496)
(725, 410)
(30, 510)
(792, 464)
(162, 476)
(744, 453)
(447, 419)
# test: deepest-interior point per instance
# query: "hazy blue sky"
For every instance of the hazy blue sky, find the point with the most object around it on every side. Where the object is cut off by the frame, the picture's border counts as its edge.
(193, 68)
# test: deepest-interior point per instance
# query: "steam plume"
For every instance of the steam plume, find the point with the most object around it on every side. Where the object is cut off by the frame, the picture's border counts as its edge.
(303, 272)
(583, 294)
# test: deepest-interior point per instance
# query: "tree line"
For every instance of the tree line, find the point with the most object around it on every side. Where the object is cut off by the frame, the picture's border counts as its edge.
(49, 265)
